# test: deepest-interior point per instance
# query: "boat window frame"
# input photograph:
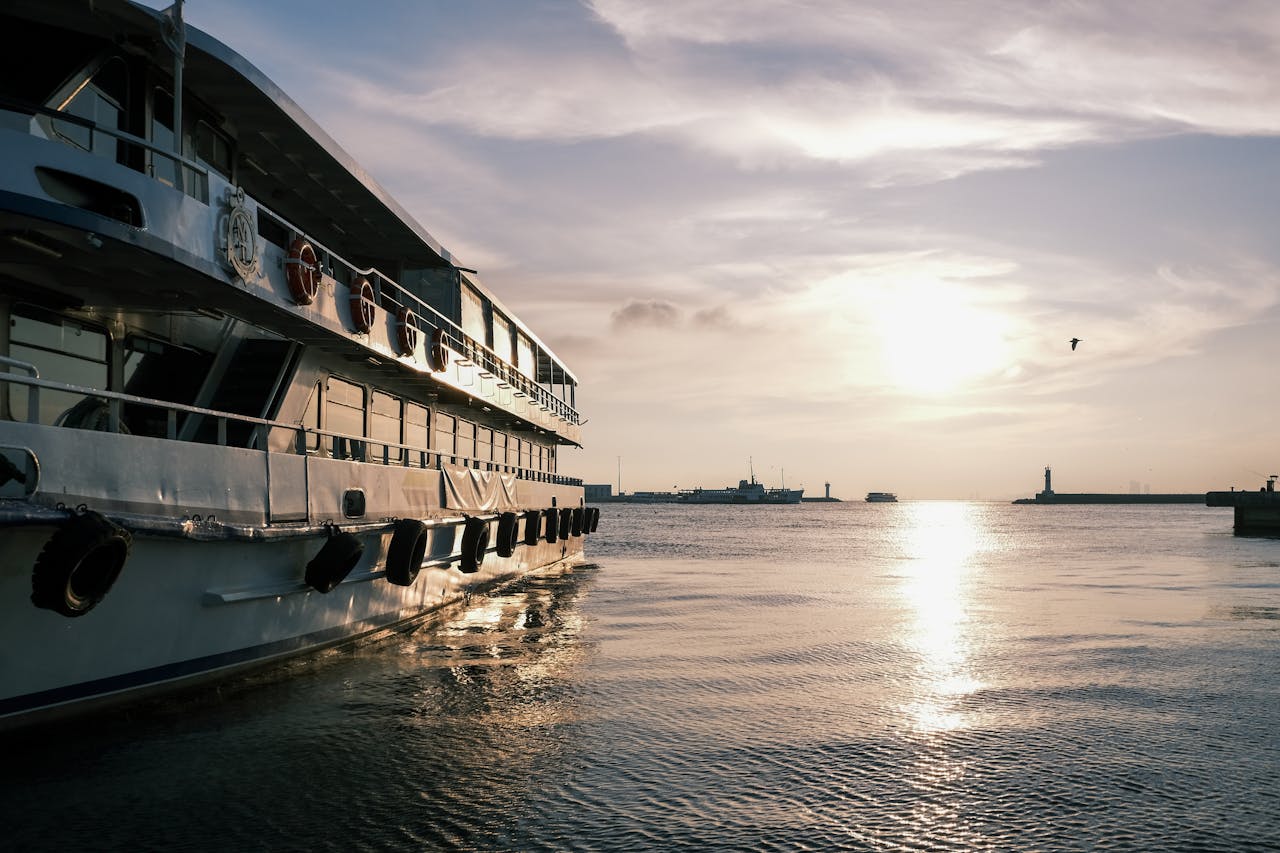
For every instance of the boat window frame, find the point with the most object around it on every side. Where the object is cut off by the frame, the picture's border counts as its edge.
(347, 445)
(68, 92)
(57, 404)
(386, 453)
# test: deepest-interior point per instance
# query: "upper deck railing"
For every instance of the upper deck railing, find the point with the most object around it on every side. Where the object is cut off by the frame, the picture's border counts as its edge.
(390, 295)
(327, 443)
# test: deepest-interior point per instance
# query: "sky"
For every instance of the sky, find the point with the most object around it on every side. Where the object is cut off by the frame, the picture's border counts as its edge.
(842, 241)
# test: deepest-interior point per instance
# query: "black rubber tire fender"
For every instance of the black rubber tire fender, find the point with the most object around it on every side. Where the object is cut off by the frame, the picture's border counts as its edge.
(579, 514)
(79, 564)
(532, 520)
(406, 552)
(552, 524)
(475, 544)
(566, 522)
(595, 519)
(334, 561)
(508, 533)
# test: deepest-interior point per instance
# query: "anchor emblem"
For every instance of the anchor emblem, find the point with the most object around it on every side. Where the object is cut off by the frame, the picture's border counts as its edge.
(239, 236)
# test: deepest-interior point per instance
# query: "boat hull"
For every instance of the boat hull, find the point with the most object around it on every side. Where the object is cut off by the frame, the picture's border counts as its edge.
(215, 579)
(185, 611)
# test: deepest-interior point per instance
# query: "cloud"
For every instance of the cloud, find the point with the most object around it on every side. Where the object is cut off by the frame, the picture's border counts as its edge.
(646, 313)
(936, 90)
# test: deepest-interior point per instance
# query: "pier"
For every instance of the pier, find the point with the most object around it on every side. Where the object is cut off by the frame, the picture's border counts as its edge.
(1049, 496)
(1256, 513)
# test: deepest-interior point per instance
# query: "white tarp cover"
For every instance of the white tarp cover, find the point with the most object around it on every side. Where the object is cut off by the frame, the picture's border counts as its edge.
(472, 489)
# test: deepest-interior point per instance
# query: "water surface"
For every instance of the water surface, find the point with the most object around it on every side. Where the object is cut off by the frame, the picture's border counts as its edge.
(912, 676)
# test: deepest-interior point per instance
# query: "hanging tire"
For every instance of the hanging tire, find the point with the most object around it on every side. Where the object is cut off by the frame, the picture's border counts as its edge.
(508, 533)
(552, 522)
(578, 516)
(78, 565)
(475, 544)
(593, 519)
(532, 519)
(566, 522)
(406, 552)
(334, 561)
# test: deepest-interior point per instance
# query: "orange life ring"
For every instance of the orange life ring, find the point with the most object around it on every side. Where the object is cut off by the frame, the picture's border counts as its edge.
(406, 330)
(302, 272)
(362, 304)
(439, 352)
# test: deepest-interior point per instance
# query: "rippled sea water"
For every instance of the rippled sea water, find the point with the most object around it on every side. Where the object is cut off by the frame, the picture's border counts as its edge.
(912, 676)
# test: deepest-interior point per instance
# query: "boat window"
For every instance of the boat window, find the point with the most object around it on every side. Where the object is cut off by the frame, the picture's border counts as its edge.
(344, 413)
(101, 100)
(213, 148)
(160, 371)
(500, 448)
(384, 426)
(445, 435)
(311, 419)
(163, 168)
(502, 338)
(524, 355)
(415, 426)
(63, 351)
(466, 447)
(473, 315)
(484, 444)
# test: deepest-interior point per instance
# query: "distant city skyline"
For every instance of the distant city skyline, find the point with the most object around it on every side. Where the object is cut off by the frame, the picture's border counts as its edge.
(848, 240)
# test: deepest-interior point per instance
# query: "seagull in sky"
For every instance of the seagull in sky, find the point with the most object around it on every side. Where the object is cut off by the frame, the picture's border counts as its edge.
(1074, 341)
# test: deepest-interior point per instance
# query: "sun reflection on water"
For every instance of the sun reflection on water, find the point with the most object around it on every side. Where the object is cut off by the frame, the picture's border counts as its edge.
(939, 542)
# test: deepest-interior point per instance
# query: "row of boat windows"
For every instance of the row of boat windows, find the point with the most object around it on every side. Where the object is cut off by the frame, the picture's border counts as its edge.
(370, 420)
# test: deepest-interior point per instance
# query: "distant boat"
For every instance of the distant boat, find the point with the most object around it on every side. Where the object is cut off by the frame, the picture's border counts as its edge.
(881, 498)
(746, 492)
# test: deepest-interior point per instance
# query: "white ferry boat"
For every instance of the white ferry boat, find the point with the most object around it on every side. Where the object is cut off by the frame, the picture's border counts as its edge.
(882, 498)
(250, 407)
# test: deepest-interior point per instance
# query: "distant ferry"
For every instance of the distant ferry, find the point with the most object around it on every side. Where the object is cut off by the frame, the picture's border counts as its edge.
(882, 498)
(746, 492)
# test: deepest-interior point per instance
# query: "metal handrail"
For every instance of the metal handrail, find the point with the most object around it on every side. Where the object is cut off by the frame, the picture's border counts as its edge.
(300, 444)
(465, 344)
(93, 127)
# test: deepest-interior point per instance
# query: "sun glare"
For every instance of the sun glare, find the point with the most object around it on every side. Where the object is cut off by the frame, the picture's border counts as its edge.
(934, 340)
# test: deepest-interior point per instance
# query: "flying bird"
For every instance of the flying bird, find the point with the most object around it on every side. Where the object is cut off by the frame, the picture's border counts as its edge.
(1074, 341)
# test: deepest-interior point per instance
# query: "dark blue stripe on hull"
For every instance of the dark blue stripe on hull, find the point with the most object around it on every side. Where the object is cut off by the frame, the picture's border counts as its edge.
(117, 684)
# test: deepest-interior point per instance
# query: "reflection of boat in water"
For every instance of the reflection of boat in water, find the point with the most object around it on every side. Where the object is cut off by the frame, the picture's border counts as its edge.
(882, 498)
(251, 408)
(746, 492)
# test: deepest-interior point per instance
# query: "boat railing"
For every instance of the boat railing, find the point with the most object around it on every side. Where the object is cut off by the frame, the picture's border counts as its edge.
(392, 296)
(107, 416)
(192, 176)
(193, 179)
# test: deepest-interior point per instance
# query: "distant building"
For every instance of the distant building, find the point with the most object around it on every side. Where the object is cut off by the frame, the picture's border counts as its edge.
(598, 492)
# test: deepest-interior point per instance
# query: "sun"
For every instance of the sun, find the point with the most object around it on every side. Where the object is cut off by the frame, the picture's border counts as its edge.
(935, 338)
